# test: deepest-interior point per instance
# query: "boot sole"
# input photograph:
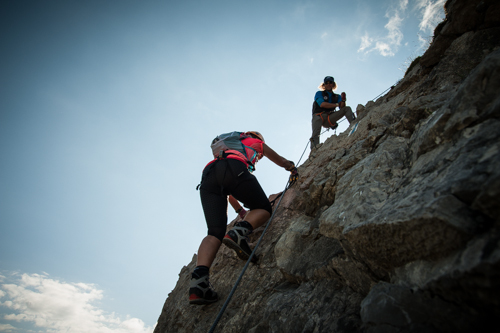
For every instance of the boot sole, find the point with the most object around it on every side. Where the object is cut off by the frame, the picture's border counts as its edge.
(202, 301)
(239, 252)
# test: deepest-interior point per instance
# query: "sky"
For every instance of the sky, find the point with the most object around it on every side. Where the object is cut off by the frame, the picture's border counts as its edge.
(107, 111)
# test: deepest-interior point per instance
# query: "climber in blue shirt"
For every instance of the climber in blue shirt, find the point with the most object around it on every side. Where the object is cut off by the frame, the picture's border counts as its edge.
(323, 111)
(332, 98)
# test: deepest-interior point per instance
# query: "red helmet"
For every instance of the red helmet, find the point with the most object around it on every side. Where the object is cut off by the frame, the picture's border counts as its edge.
(257, 134)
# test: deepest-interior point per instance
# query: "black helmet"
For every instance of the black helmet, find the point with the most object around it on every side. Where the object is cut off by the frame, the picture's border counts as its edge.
(328, 79)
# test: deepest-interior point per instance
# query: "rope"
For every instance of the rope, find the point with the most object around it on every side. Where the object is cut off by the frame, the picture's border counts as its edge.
(221, 312)
(279, 195)
(391, 87)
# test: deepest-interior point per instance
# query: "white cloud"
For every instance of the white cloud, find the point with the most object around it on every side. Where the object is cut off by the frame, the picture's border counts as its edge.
(61, 307)
(394, 27)
(432, 14)
(366, 42)
(384, 49)
(7, 328)
(387, 45)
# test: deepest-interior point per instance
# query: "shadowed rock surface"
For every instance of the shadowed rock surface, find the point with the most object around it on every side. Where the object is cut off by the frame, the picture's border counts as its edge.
(395, 228)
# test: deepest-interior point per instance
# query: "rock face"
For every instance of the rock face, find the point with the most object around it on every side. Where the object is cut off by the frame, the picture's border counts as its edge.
(395, 228)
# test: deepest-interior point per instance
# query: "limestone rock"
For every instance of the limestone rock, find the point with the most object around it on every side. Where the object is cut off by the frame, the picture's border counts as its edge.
(395, 228)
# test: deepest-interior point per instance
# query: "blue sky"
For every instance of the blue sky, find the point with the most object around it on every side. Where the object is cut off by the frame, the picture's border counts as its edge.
(107, 110)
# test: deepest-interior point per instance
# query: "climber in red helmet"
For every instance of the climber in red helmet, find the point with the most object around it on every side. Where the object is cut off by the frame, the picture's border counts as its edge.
(229, 175)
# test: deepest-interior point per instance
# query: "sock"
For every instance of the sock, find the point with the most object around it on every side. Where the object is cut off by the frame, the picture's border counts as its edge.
(200, 271)
(245, 225)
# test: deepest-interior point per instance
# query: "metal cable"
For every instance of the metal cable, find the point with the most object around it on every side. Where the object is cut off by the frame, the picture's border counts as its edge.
(395, 84)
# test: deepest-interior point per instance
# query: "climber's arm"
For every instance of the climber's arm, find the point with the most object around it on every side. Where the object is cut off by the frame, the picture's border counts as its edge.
(276, 158)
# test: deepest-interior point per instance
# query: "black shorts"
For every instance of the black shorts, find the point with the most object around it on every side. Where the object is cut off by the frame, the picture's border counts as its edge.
(228, 177)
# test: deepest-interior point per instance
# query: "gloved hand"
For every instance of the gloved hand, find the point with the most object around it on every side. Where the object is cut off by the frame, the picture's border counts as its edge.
(294, 174)
(342, 103)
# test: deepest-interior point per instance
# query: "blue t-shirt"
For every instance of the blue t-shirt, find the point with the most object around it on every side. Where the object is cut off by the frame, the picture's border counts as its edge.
(318, 98)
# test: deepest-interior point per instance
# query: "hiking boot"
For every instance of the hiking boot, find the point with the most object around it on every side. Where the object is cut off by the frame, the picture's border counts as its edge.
(200, 292)
(334, 126)
(236, 239)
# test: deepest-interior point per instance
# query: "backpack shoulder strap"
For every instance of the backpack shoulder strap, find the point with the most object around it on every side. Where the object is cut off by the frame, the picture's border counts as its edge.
(335, 97)
(325, 95)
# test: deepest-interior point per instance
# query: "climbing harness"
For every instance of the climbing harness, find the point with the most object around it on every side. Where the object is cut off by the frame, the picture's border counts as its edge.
(334, 126)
